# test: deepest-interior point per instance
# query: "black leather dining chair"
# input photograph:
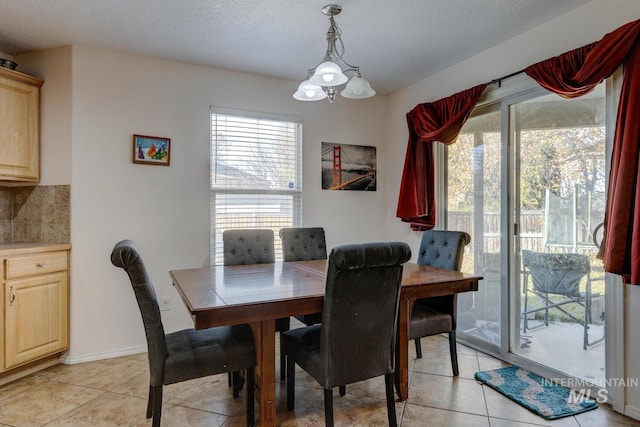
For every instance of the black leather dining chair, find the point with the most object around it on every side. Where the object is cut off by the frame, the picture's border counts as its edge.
(302, 244)
(251, 246)
(248, 246)
(189, 353)
(357, 337)
(432, 316)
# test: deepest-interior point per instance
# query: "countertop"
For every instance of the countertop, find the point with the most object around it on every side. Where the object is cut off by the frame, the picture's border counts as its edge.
(20, 248)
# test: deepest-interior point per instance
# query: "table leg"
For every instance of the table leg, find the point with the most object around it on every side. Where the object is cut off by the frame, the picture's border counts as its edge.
(264, 334)
(402, 350)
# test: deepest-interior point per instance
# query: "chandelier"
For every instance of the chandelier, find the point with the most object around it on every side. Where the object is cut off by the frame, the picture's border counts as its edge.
(322, 80)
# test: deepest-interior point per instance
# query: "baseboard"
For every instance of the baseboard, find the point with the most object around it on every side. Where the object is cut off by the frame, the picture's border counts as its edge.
(72, 360)
(632, 411)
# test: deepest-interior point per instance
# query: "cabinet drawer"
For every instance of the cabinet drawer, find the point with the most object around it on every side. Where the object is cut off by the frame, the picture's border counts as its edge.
(35, 264)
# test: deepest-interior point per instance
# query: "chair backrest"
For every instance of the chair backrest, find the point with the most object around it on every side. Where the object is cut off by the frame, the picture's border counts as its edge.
(360, 311)
(443, 248)
(125, 255)
(303, 243)
(248, 246)
(556, 273)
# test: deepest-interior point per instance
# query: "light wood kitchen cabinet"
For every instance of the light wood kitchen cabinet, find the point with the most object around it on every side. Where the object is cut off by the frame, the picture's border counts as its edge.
(35, 315)
(19, 126)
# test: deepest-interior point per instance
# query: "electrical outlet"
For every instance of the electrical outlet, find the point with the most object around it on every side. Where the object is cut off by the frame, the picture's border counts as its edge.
(165, 304)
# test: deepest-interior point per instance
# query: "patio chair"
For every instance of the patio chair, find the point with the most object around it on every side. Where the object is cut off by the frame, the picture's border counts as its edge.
(555, 279)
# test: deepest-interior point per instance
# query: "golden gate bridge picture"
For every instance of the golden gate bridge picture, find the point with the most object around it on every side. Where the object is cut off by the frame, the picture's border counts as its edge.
(348, 167)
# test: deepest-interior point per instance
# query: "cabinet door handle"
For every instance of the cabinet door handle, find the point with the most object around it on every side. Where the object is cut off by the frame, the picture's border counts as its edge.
(12, 296)
(40, 264)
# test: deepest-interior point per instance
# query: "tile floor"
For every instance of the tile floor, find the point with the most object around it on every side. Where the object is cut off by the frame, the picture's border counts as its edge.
(113, 392)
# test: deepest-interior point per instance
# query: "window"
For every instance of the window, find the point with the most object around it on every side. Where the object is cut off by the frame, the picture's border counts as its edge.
(256, 174)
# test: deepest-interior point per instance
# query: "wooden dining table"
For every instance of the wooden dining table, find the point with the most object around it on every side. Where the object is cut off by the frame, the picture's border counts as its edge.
(259, 294)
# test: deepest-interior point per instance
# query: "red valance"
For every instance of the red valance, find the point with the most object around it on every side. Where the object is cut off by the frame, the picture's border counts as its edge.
(576, 73)
(432, 121)
(570, 75)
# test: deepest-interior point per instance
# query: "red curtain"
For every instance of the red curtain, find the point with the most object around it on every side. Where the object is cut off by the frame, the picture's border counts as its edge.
(576, 73)
(432, 121)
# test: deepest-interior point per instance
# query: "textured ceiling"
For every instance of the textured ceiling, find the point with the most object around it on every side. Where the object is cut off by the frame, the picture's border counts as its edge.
(395, 42)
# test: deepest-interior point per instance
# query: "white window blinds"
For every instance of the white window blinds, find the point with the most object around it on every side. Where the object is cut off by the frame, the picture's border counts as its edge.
(256, 175)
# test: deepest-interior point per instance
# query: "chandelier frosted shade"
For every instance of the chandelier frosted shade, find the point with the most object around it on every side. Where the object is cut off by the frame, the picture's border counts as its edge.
(329, 74)
(323, 79)
(308, 91)
(358, 88)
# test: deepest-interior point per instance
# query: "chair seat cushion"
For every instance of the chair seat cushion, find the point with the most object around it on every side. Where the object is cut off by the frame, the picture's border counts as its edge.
(426, 321)
(302, 345)
(199, 353)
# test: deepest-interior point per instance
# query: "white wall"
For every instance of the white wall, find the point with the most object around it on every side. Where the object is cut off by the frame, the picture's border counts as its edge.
(576, 28)
(93, 101)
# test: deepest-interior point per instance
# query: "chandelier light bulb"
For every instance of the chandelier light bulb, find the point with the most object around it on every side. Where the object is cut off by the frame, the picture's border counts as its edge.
(308, 91)
(358, 88)
(329, 74)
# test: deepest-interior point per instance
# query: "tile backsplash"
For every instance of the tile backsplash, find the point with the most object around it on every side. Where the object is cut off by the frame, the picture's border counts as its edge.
(35, 214)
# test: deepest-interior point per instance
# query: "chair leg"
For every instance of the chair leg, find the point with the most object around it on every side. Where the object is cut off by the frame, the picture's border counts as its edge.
(525, 323)
(546, 312)
(236, 383)
(283, 363)
(157, 405)
(587, 309)
(150, 402)
(328, 407)
(391, 404)
(291, 382)
(229, 380)
(251, 379)
(453, 350)
(342, 390)
(418, 348)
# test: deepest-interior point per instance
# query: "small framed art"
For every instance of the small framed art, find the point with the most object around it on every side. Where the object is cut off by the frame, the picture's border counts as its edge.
(151, 150)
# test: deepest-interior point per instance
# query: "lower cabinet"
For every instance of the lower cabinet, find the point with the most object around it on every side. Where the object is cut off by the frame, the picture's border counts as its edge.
(35, 318)
(35, 321)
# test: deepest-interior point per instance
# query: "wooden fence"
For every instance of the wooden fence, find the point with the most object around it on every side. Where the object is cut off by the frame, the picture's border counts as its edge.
(531, 229)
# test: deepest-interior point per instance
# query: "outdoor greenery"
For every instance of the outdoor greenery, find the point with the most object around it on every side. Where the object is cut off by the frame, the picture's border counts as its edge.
(565, 159)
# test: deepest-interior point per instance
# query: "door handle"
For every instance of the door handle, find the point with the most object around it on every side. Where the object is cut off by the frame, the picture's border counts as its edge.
(12, 296)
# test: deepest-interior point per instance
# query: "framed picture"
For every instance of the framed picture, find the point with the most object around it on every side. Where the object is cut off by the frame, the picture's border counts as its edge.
(348, 167)
(151, 150)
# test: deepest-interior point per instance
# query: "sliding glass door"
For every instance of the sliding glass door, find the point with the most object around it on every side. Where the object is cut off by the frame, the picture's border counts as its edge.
(526, 179)
(560, 187)
(474, 205)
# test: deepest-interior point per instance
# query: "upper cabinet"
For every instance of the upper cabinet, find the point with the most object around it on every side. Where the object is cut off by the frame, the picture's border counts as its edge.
(19, 126)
